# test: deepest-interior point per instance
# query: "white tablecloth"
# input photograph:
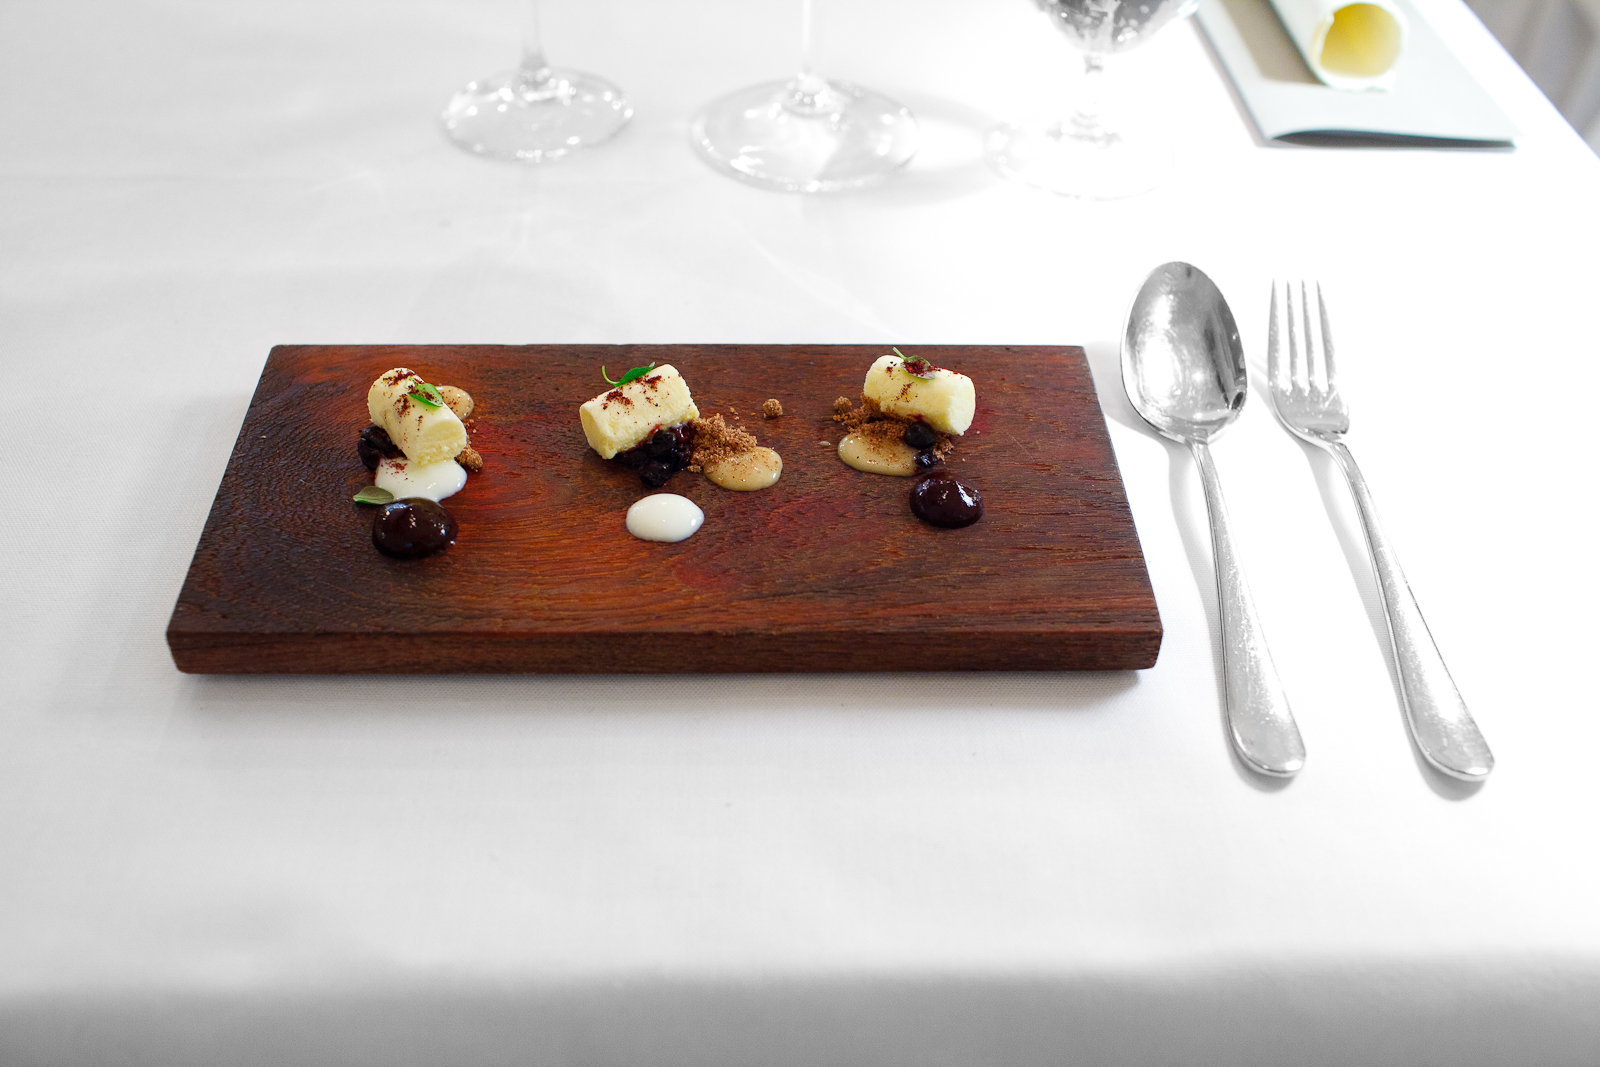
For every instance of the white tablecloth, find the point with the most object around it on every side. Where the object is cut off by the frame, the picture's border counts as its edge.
(928, 869)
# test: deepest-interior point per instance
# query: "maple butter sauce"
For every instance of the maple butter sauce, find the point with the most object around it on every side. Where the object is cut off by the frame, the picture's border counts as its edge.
(743, 472)
(729, 456)
(877, 454)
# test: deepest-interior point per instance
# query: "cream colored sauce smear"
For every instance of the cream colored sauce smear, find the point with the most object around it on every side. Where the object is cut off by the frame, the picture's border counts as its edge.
(878, 456)
(431, 481)
(664, 517)
(747, 471)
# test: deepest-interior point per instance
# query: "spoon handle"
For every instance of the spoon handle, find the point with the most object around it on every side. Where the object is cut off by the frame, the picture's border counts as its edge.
(1264, 731)
(1441, 725)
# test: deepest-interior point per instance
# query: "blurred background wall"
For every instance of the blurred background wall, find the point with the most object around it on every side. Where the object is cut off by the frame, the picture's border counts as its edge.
(1558, 44)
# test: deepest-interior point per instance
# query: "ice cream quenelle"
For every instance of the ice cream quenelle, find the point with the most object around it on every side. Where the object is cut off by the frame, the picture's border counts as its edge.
(1347, 45)
(415, 417)
(915, 389)
(911, 410)
(624, 417)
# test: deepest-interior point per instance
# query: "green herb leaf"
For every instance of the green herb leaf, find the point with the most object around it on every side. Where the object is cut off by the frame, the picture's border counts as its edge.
(637, 372)
(373, 495)
(917, 367)
(423, 393)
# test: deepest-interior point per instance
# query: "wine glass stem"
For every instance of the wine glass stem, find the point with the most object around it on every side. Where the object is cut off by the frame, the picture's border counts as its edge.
(535, 70)
(808, 80)
(1087, 122)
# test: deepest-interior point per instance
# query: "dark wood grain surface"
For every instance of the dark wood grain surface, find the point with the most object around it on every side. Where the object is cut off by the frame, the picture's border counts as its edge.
(828, 570)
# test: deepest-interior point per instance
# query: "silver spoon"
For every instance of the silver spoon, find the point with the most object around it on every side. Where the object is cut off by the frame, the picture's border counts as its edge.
(1183, 368)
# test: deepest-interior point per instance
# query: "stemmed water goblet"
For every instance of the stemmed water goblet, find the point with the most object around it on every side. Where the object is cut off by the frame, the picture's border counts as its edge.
(535, 112)
(1083, 154)
(808, 134)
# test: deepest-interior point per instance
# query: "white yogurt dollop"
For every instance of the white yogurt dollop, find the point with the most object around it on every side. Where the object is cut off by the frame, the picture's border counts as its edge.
(431, 481)
(664, 517)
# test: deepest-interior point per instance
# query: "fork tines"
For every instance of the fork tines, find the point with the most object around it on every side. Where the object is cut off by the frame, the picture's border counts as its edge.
(1313, 373)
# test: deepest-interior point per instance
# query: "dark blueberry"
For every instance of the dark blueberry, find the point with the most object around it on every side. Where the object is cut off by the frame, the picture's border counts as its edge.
(943, 501)
(633, 458)
(412, 527)
(920, 435)
(374, 444)
(658, 456)
(662, 444)
(924, 460)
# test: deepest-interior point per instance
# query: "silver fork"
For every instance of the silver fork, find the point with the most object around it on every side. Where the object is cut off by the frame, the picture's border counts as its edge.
(1305, 394)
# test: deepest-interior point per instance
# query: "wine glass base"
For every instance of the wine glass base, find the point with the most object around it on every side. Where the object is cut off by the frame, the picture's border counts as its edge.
(1102, 168)
(516, 116)
(822, 137)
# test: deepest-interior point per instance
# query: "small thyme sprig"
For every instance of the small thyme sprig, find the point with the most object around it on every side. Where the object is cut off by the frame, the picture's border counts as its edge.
(916, 366)
(373, 494)
(637, 372)
(423, 393)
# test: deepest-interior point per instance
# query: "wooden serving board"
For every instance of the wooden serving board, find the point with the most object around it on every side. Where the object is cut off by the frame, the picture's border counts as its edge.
(828, 570)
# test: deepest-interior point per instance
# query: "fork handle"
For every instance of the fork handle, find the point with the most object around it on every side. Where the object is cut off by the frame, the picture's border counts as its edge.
(1440, 724)
(1264, 732)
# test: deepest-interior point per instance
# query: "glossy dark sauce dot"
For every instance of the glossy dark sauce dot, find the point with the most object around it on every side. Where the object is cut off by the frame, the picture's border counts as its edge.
(920, 435)
(412, 527)
(925, 460)
(941, 500)
(373, 445)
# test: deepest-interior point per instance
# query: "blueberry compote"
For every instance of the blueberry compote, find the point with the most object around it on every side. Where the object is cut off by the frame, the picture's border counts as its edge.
(660, 456)
(943, 501)
(412, 527)
(919, 435)
(373, 445)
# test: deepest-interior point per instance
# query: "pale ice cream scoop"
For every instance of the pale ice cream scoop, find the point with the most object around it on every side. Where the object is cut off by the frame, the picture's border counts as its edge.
(426, 434)
(946, 400)
(620, 418)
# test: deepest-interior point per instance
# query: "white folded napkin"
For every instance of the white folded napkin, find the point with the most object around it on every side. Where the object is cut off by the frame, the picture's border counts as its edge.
(1347, 45)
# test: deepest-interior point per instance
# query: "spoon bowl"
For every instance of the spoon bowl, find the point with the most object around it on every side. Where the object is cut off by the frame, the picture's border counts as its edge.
(1183, 368)
(1182, 363)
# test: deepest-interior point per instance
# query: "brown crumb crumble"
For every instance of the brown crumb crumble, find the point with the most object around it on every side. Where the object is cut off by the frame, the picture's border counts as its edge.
(471, 459)
(715, 441)
(772, 409)
(875, 424)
